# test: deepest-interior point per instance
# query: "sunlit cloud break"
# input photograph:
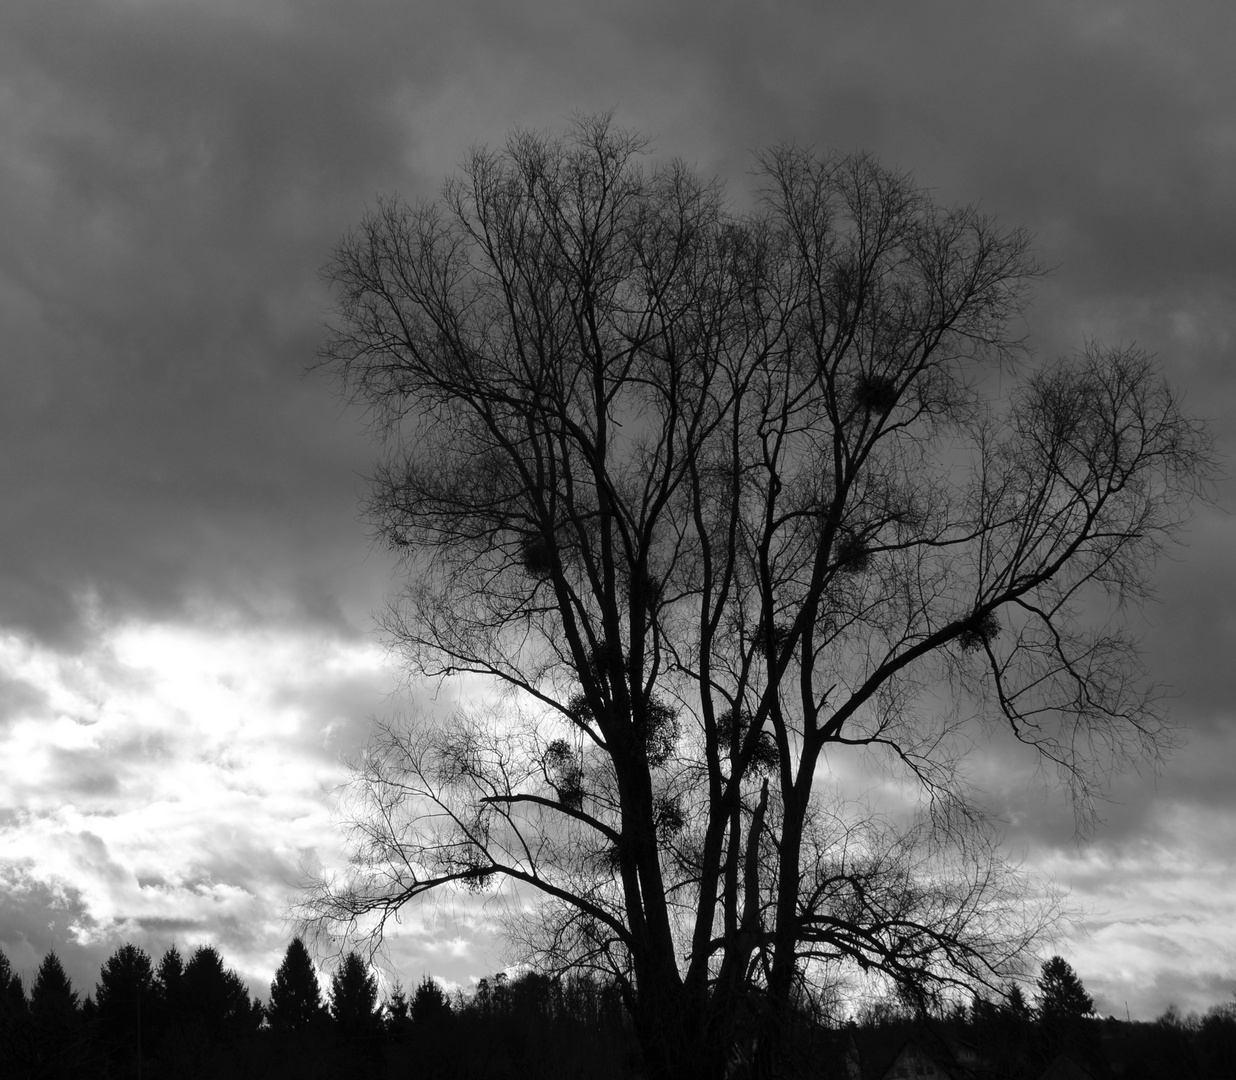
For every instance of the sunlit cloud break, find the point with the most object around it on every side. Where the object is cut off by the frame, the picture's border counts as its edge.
(173, 781)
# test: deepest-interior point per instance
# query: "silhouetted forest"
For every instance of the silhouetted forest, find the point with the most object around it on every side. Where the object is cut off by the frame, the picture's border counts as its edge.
(195, 1018)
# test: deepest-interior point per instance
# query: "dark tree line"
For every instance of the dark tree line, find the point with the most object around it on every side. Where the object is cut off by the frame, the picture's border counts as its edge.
(195, 1018)
(182, 1015)
(1011, 1039)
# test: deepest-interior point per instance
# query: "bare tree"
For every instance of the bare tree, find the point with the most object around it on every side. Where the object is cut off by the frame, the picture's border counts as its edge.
(725, 501)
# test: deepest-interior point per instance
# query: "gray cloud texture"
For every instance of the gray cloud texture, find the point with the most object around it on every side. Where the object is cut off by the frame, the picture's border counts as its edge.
(174, 175)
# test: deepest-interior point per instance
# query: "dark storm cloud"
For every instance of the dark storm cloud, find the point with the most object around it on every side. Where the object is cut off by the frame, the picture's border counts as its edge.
(181, 174)
(184, 170)
(1109, 132)
(36, 917)
(1186, 798)
(1193, 623)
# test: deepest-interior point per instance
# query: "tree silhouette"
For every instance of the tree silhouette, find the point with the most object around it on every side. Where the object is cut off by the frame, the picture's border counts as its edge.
(1217, 1040)
(1063, 1009)
(295, 996)
(1061, 994)
(169, 996)
(55, 1020)
(395, 1014)
(722, 501)
(14, 1049)
(125, 999)
(169, 977)
(1015, 1001)
(12, 995)
(215, 999)
(430, 1002)
(354, 999)
(53, 1001)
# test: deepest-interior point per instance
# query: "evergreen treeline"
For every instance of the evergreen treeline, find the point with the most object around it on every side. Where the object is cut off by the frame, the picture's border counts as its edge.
(195, 1018)
(1060, 1038)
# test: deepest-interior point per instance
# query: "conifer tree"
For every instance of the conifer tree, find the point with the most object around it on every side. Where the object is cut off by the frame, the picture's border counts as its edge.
(1016, 1002)
(168, 994)
(55, 1020)
(53, 1001)
(429, 1002)
(1063, 1008)
(1061, 994)
(295, 996)
(12, 994)
(13, 1010)
(395, 1015)
(216, 997)
(125, 991)
(354, 998)
(169, 979)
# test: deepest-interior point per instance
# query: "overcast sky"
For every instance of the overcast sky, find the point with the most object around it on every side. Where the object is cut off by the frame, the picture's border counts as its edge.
(187, 646)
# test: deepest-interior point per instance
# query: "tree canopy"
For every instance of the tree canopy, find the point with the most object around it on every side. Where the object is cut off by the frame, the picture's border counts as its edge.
(53, 1001)
(214, 998)
(354, 997)
(430, 1002)
(732, 506)
(1062, 996)
(295, 996)
(12, 993)
(126, 989)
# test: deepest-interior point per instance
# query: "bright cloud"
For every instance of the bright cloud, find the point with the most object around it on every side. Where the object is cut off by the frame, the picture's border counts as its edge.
(176, 778)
